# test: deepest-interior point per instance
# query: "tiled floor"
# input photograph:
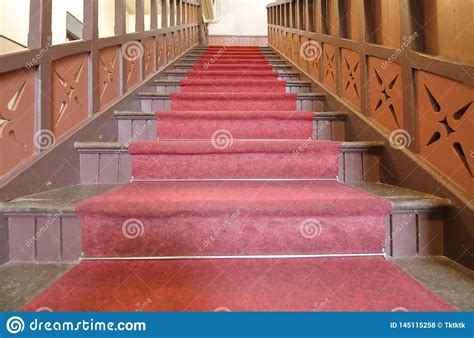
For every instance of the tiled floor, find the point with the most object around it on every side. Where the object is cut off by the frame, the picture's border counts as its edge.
(20, 283)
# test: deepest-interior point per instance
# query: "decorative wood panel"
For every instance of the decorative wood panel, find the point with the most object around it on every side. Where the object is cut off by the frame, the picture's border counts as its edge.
(109, 73)
(304, 57)
(386, 93)
(350, 77)
(446, 116)
(149, 55)
(295, 49)
(17, 118)
(289, 44)
(161, 52)
(330, 66)
(176, 43)
(132, 63)
(169, 47)
(315, 64)
(69, 96)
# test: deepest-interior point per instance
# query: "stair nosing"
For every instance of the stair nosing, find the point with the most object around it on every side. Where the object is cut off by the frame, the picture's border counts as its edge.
(166, 96)
(123, 146)
(317, 115)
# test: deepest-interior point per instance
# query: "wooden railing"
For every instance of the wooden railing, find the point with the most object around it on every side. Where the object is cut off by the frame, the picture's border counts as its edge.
(406, 65)
(48, 90)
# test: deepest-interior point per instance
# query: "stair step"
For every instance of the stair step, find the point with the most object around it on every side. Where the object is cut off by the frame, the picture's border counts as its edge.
(266, 217)
(56, 210)
(111, 163)
(141, 126)
(182, 74)
(173, 86)
(194, 59)
(188, 65)
(159, 101)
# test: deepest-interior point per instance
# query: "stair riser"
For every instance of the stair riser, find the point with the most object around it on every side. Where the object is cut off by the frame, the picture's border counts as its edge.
(144, 129)
(276, 68)
(181, 76)
(162, 104)
(60, 239)
(112, 166)
(233, 234)
(173, 88)
(272, 61)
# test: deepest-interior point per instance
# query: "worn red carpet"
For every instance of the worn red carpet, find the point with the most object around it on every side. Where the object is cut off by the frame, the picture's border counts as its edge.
(233, 218)
(233, 86)
(321, 285)
(235, 172)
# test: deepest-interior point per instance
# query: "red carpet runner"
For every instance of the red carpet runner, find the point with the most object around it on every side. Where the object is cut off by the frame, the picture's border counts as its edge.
(334, 284)
(207, 188)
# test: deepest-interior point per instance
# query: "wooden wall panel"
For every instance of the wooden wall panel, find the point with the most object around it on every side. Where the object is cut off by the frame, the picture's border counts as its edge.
(169, 47)
(149, 56)
(449, 29)
(446, 116)
(132, 53)
(17, 118)
(386, 93)
(109, 75)
(386, 23)
(351, 77)
(160, 52)
(350, 16)
(330, 66)
(69, 95)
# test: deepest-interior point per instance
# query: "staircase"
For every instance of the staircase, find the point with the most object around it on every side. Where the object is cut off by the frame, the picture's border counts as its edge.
(225, 159)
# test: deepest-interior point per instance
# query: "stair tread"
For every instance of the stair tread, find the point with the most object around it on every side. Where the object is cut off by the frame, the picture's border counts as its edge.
(202, 113)
(53, 201)
(246, 95)
(185, 71)
(124, 145)
(65, 199)
(288, 82)
(296, 198)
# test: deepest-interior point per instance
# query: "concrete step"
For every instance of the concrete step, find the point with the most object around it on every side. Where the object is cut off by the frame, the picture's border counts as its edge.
(44, 227)
(173, 86)
(149, 101)
(110, 162)
(141, 126)
(181, 74)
